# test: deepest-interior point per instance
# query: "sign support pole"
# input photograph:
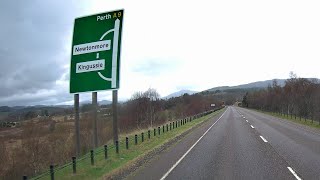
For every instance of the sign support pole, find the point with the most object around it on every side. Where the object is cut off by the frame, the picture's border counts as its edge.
(94, 113)
(77, 125)
(115, 114)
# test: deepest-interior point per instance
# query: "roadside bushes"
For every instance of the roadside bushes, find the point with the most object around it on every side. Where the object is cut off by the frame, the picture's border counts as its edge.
(40, 142)
(298, 97)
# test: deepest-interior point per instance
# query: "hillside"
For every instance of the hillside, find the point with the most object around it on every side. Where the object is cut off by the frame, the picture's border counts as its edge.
(253, 85)
(179, 93)
(231, 94)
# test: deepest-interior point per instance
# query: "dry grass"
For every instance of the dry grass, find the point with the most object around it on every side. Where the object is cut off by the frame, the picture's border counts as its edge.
(37, 143)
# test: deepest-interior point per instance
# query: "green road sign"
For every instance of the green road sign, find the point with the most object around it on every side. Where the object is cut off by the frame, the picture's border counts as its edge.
(95, 58)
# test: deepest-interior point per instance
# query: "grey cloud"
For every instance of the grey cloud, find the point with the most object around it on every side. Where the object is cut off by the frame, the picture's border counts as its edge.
(32, 48)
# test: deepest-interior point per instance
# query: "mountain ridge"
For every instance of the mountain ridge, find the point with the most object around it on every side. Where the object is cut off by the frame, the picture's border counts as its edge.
(179, 93)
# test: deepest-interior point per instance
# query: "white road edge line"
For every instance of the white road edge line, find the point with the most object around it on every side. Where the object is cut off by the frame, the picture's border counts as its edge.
(185, 154)
(294, 173)
(247, 120)
(252, 127)
(263, 139)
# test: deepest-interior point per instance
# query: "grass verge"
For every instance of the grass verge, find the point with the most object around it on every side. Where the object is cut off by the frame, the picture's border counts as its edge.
(115, 162)
(306, 122)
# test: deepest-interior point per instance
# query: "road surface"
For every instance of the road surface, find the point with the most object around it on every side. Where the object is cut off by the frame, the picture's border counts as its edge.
(240, 144)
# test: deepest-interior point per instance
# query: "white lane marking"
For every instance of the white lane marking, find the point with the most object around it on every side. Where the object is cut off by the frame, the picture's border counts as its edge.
(252, 127)
(185, 154)
(263, 139)
(244, 117)
(247, 120)
(294, 173)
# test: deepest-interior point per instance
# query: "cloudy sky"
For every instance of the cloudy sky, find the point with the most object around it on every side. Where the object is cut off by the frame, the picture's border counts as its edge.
(166, 45)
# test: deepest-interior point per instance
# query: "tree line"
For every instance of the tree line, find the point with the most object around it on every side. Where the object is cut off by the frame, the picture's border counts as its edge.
(299, 97)
(40, 141)
(147, 109)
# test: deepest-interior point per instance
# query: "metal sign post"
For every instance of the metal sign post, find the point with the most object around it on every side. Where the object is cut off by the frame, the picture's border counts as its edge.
(95, 62)
(115, 114)
(94, 115)
(77, 124)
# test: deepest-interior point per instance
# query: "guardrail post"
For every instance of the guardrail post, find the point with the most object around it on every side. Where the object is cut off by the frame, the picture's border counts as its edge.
(170, 126)
(176, 124)
(117, 147)
(149, 134)
(135, 139)
(159, 130)
(52, 172)
(92, 157)
(167, 127)
(74, 164)
(162, 128)
(127, 143)
(154, 132)
(142, 137)
(173, 125)
(105, 151)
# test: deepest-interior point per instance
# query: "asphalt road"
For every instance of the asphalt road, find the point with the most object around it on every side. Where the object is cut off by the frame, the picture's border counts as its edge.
(240, 144)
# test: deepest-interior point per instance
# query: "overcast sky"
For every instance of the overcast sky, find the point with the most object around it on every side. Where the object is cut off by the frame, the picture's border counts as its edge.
(166, 45)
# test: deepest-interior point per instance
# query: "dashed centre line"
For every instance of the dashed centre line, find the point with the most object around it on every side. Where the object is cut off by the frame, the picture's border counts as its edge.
(263, 139)
(294, 173)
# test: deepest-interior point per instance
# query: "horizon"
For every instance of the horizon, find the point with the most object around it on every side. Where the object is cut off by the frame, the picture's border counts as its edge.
(87, 101)
(165, 46)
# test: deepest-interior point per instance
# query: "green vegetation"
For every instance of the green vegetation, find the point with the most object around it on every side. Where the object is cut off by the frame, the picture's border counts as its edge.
(298, 120)
(126, 157)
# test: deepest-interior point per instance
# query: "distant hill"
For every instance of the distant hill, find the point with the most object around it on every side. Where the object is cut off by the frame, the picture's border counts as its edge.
(103, 102)
(179, 93)
(253, 85)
